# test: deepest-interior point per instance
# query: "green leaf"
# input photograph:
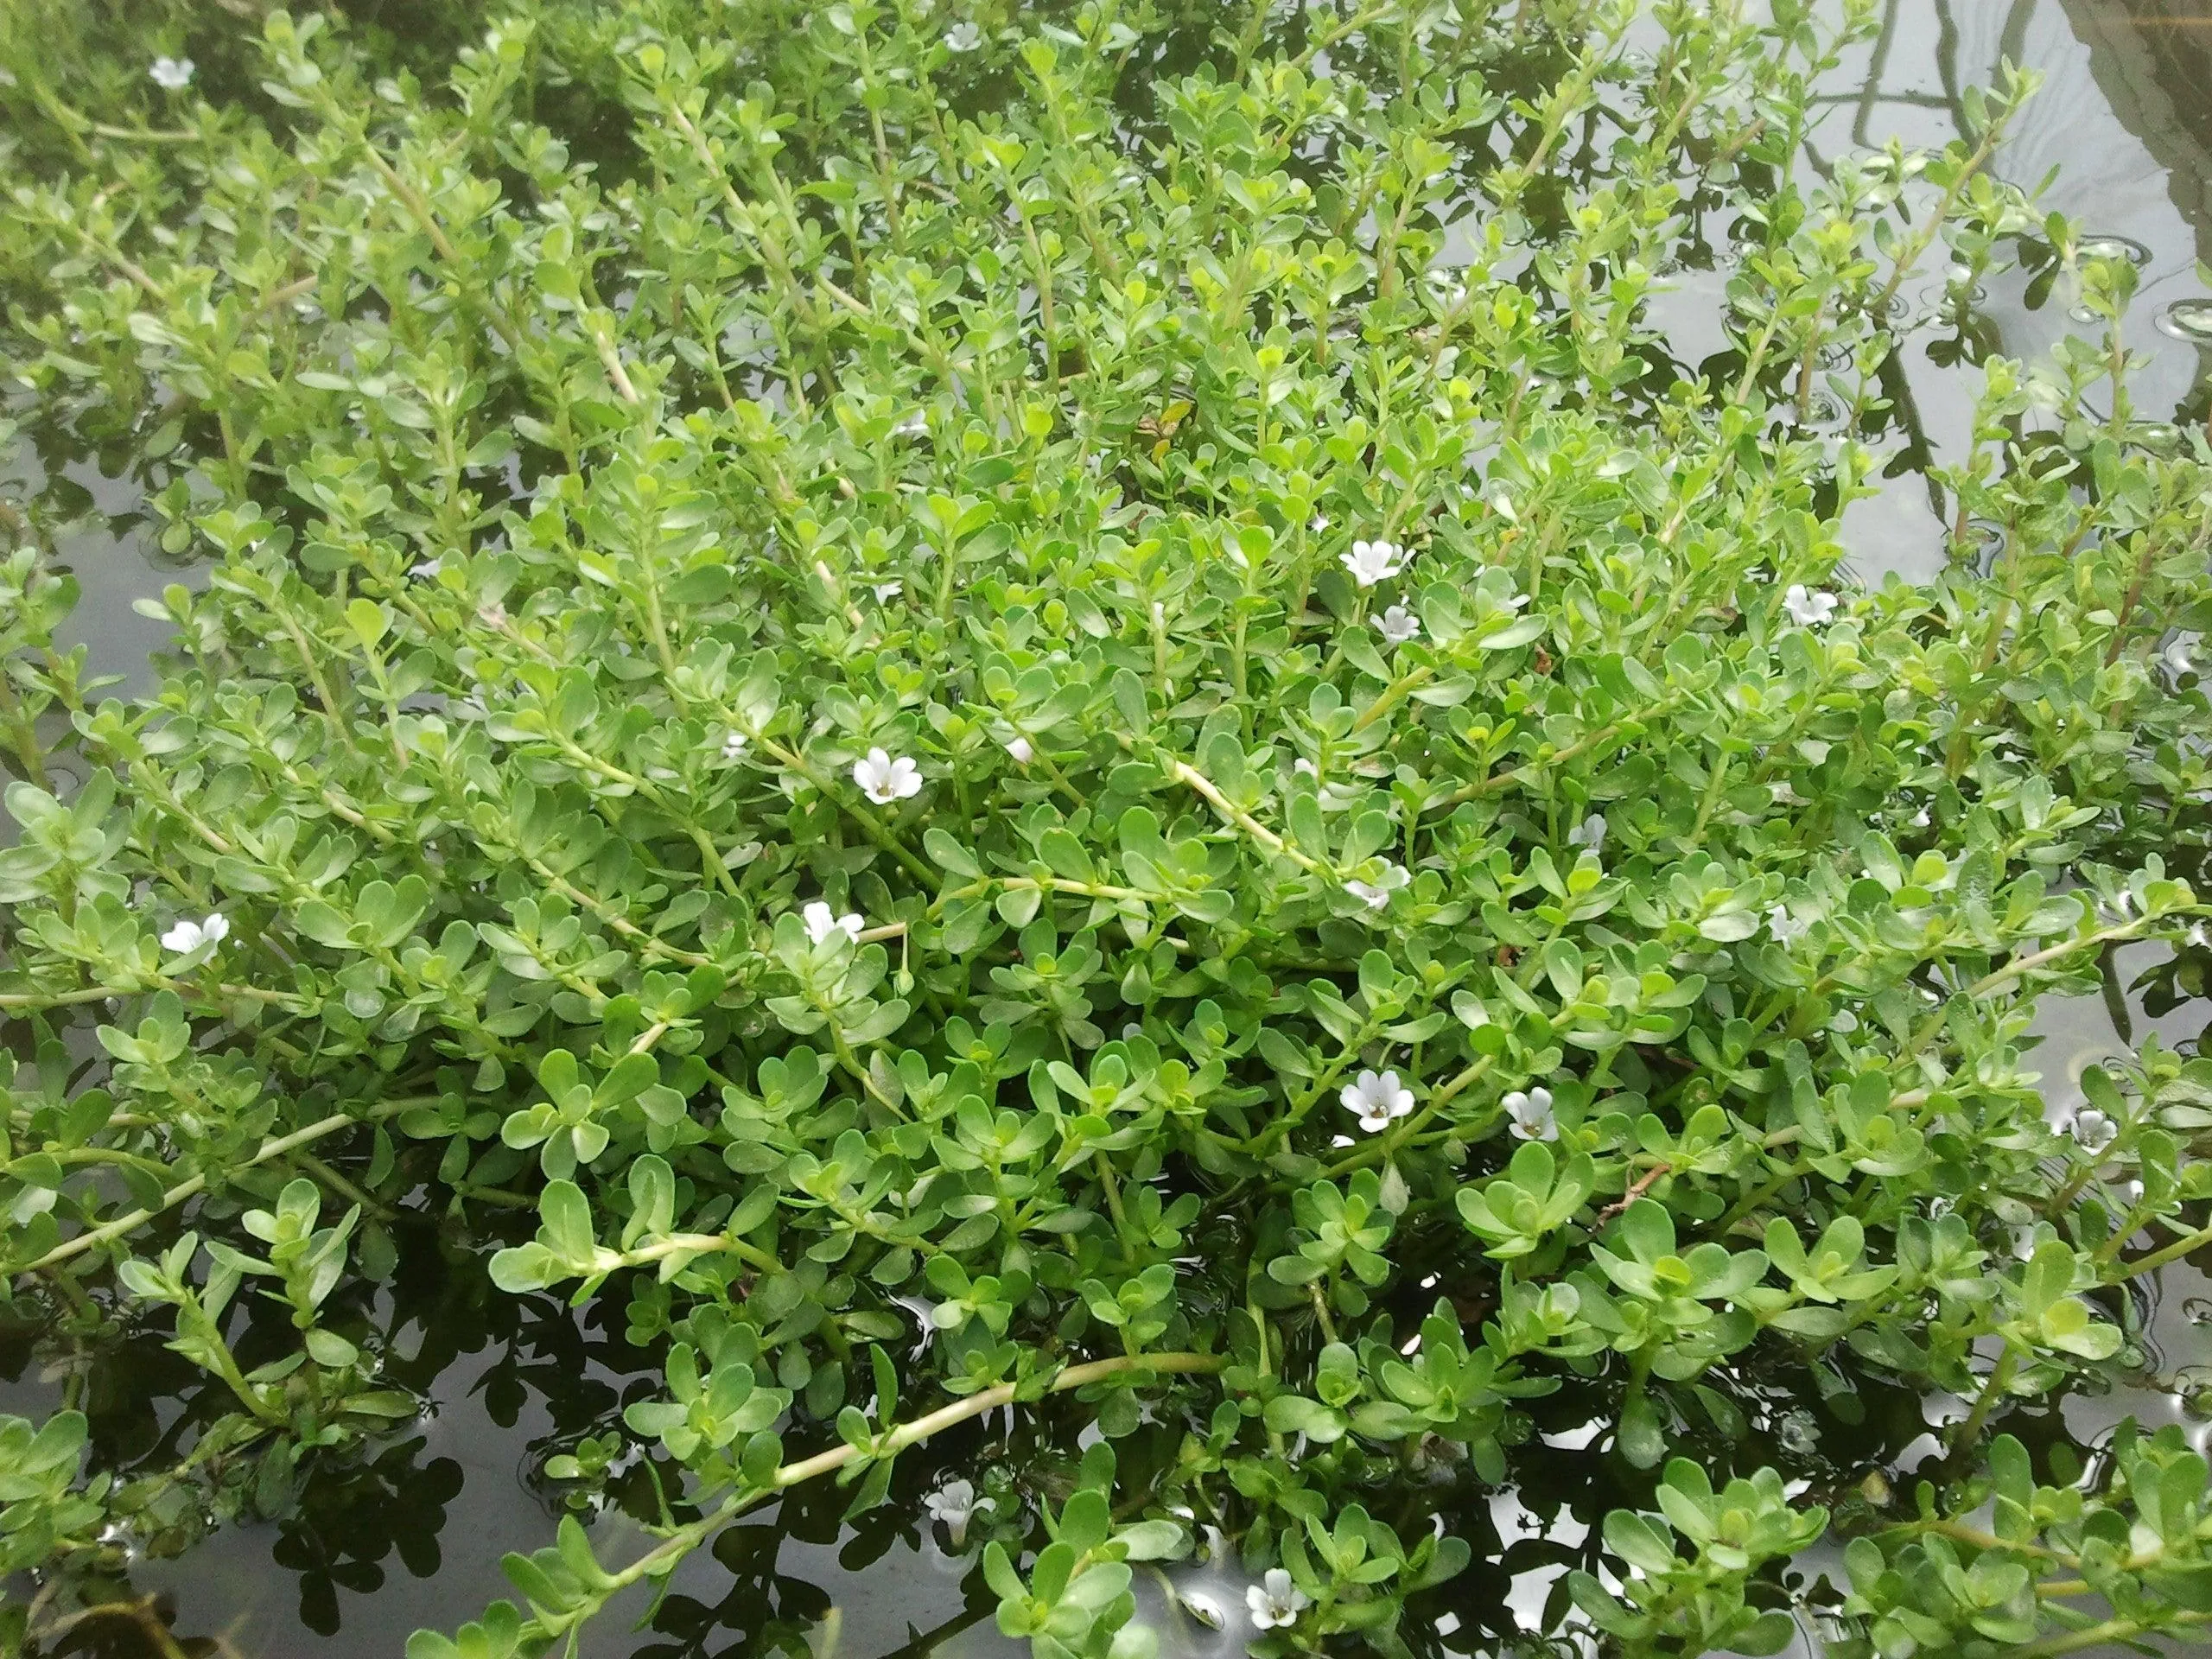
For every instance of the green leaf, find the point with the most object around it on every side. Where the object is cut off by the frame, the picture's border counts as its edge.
(1637, 1543)
(948, 854)
(368, 622)
(564, 1223)
(1289, 1413)
(1642, 1441)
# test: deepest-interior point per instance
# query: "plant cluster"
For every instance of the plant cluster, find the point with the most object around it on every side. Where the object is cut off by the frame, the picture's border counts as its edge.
(998, 733)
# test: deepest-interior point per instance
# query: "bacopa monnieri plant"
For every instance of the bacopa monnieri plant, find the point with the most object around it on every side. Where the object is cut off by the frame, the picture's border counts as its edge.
(968, 726)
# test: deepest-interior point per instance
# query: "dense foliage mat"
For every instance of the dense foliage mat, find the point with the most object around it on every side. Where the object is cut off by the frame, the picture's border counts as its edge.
(999, 724)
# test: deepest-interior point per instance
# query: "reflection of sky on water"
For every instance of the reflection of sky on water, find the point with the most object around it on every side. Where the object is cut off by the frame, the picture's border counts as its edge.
(1908, 84)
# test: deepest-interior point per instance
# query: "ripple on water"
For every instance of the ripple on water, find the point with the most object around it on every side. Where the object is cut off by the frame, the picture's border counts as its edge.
(2189, 320)
(2099, 246)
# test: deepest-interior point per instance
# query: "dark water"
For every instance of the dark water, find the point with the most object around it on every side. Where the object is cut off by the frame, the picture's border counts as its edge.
(408, 1533)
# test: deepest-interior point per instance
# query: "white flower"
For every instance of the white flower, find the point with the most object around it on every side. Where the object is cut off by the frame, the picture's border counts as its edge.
(1397, 625)
(822, 922)
(1531, 1112)
(1378, 1099)
(1320, 523)
(1302, 764)
(962, 37)
(428, 569)
(912, 426)
(172, 74)
(956, 1505)
(884, 780)
(1020, 749)
(2095, 1130)
(733, 746)
(1808, 609)
(1783, 929)
(887, 591)
(2131, 1193)
(1276, 1601)
(1375, 894)
(1373, 562)
(1590, 833)
(190, 936)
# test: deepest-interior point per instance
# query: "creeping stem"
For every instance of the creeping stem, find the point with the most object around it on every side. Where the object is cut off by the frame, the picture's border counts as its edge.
(663, 1558)
(275, 1147)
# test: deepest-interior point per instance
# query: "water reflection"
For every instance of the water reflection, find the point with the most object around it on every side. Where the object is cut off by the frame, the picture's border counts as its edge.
(406, 1534)
(2127, 164)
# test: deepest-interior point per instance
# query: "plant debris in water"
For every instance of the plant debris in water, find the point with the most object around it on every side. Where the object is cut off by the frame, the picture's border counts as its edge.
(987, 753)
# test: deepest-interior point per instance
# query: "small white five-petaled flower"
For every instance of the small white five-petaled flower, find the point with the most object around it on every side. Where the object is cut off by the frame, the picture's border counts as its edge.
(822, 922)
(2095, 1130)
(428, 571)
(1785, 929)
(885, 592)
(733, 746)
(172, 74)
(1397, 625)
(962, 37)
(1275, 1602)
(190, 936)
(1375, 894)
(1019, 747)
(1590, 833)
(1373, 562)
(1530, 1112)
(1807, 608)
(956, 1505)
(1378, 1099)
(884, 780)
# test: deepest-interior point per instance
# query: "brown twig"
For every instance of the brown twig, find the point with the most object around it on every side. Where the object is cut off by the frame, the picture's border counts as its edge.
(1636, 1190)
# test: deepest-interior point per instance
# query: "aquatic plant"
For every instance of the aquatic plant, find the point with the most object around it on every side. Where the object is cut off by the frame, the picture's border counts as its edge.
(1146, 759)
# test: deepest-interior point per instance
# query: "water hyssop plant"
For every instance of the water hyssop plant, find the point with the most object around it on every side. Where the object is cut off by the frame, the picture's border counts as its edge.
(972, 725)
